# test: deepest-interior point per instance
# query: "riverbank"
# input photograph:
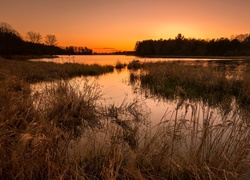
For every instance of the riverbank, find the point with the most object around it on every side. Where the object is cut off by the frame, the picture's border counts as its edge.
(25, 57)
(32, 72)
(198, 57)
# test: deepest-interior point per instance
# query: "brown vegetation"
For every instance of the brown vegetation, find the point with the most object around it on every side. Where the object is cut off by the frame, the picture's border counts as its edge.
(210, 81)
(32, 72)
(63, 133)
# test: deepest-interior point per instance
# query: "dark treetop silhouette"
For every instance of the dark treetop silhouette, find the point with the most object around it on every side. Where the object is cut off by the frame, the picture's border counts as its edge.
(181, 46)
(11, 43)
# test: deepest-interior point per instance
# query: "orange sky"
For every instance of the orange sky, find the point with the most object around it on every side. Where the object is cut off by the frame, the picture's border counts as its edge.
(112, 25)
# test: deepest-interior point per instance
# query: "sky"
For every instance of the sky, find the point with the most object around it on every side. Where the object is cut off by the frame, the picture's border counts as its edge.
(116, 25)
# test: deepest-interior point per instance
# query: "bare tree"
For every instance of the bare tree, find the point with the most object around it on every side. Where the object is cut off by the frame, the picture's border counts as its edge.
(50, 40)
(33, 37)
(6, 28)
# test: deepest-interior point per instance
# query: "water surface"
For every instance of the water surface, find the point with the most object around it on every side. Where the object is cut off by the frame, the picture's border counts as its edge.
(113, 59)
(117, 89)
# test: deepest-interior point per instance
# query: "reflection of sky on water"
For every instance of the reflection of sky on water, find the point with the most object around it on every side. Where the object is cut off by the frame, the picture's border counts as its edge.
(113, 59)
(116, 89)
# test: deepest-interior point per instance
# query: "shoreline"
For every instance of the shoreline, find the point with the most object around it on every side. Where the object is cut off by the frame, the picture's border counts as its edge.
(197, 57)
(26, 57)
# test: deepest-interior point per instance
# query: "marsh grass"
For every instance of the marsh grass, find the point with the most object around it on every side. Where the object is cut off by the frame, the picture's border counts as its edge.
(201, 147)
(135, 64)
(210, 82)
(72, 110)
(33, 72)
(65, 133)
(120, 65)
(38, 135)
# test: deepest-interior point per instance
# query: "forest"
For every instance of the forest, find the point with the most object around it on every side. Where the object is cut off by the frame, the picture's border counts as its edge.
(12, 43)
(238, 45)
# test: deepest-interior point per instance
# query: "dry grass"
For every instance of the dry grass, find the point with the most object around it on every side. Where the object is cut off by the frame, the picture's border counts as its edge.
(38, 135)
(63, 133)
(211, 82)
(197, 148)
(33, 72)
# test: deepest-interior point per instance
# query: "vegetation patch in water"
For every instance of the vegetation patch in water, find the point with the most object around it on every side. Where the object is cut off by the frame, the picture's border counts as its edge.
(212, 83)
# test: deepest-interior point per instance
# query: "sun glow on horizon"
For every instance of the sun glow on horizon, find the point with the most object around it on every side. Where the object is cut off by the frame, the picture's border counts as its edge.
(117, 25)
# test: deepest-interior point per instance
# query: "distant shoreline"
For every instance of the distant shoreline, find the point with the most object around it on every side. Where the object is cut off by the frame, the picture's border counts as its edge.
(25, 57)
(197, 57)
(168, 56)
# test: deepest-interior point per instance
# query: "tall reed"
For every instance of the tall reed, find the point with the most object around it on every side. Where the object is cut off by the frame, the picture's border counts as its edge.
(201, 147)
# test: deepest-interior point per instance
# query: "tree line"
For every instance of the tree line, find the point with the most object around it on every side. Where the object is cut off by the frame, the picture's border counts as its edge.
(238, 45)
(12, 43)
(77, 50)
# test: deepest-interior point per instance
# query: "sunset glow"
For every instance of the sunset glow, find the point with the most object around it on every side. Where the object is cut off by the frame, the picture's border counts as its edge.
(114, 25)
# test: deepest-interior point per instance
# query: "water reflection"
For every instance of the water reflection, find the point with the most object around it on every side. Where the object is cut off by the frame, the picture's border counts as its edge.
(90, 59)
(217, 89)
(116, 88)
(185, 129)
(113, 59)
(121, 86)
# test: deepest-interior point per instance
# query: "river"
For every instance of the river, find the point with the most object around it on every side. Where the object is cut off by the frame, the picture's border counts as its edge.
(117, 89)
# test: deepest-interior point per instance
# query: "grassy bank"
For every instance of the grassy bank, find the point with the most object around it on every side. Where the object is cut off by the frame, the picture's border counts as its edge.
(63, 133)
(32, 72)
